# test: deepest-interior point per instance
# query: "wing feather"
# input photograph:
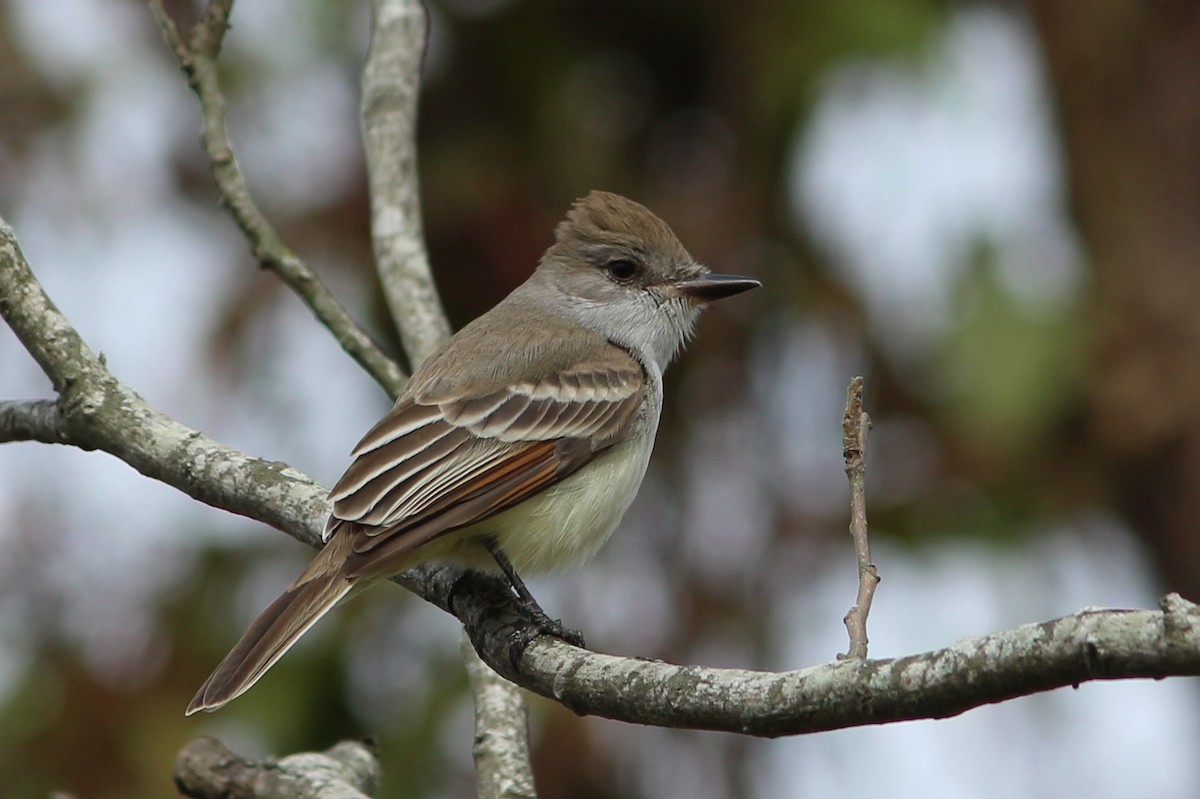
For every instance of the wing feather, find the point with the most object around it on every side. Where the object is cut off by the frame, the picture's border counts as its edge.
(472, 411)
(439, 462)
(396, 459)
(382, 499)
(500, 420)
(508, 484)
(400, 421)
(530, 420)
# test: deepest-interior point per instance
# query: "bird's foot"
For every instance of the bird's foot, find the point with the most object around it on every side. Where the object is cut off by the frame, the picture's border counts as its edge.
(539, 624)
(548, 626)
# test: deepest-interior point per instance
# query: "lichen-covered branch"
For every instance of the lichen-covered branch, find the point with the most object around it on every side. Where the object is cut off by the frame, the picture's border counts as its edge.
(1089, 645)
(198, 59)
(206, 769)
(390, 84)
(501, 750)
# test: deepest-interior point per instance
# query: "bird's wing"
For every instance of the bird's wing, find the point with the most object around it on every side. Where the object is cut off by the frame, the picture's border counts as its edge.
(434, 464)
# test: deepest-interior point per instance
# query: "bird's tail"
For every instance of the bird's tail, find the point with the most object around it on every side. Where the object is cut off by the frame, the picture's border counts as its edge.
(272, 634)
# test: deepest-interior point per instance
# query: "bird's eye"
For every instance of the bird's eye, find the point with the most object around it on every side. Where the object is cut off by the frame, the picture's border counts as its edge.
(621, 270)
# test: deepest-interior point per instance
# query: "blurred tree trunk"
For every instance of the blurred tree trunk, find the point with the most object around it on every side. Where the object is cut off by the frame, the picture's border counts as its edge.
(1126, 74)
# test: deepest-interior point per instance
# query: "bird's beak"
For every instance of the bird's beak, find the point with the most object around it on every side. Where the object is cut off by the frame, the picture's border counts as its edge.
(714, 287)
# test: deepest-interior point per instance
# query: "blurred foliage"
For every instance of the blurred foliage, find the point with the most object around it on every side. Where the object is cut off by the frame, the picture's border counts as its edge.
(1010, 370)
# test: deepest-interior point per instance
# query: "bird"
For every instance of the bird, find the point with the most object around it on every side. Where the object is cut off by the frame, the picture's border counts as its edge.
(519, 443)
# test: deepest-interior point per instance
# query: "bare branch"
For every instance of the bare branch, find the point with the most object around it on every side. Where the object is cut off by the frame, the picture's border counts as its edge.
(31, 420)
(199, 64)
(501, 750)
(206, 769)
(855, 426)
(391, 79)
(1089, 645)
(96, 411)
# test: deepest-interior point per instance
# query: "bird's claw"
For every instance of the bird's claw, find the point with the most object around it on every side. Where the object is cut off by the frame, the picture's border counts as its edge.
(540, 624)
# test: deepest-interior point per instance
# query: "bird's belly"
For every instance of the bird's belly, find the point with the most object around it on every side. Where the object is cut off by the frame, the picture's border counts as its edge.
(567, 524)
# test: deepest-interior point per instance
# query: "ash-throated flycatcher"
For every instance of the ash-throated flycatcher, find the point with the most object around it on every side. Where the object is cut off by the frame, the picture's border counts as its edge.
(522, 441)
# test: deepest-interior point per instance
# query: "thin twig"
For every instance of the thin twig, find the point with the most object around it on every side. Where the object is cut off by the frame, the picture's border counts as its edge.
(198, 60)
(390, 85)
(855, 425)
(501, 750)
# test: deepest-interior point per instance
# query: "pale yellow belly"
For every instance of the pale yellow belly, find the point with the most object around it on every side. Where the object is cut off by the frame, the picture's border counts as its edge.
(561, 527)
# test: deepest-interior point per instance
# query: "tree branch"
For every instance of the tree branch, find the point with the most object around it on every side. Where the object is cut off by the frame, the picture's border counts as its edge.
(206, 769)
(198, 60)
(1089, 645)
(501, 750)
(94, 410)
(31, 420)
(98, 412)
(390, 84)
